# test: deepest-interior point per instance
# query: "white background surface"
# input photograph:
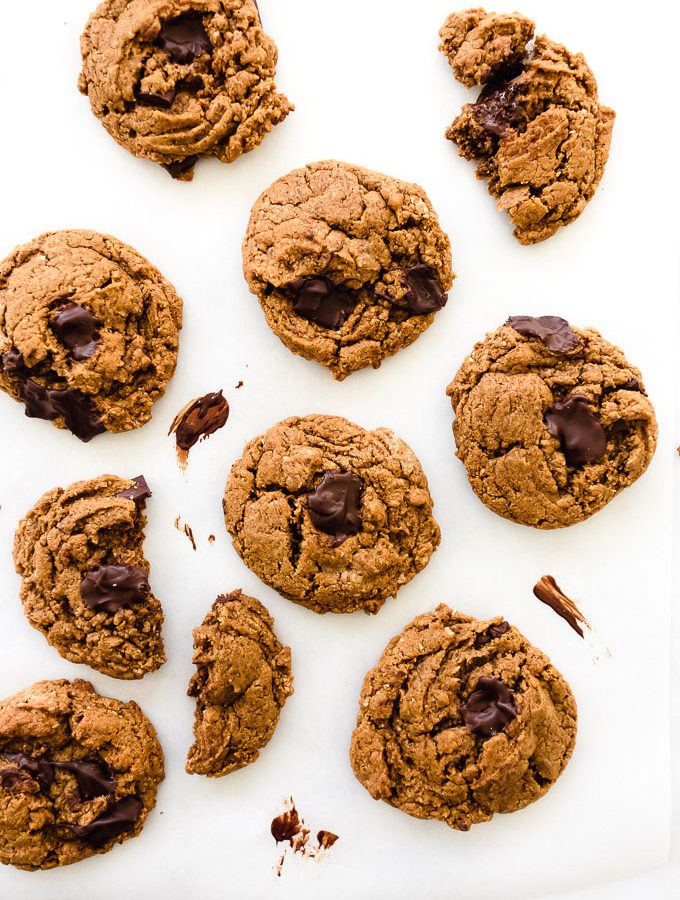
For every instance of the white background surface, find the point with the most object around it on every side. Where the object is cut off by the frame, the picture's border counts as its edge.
(369, 87)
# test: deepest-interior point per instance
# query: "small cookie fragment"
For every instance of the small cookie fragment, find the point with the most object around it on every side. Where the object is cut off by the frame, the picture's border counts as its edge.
(537, 130)
(460, 720)
(551, 421)
(349, 265)
(330, 515)
(480, 45)
(85, 580)
(177, 81)
(243, 677)
(89, 332)
(78, 774)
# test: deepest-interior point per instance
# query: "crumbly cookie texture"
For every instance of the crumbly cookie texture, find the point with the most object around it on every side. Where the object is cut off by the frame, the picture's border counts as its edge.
(243, 678)
(537, 130)
(550, 436)
(462, 719)
(176, 80)
(349, 265)
(85, 579)
(78, 774)
(330, 515)
(89, 332)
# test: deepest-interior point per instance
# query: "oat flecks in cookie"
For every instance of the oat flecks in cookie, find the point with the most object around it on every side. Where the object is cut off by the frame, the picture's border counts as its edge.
(85, 578)
(266, 510)
(78, 773)
(420, 746)
(181, 80)
(349, 265)
(89, 332)
(243, 678)
(538, 132)
(549, 438)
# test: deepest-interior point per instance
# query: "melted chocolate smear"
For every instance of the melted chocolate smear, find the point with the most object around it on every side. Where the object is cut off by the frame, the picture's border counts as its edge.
(424, 293)
(139, 492)
(39, 769)
(491, 633)
(554, 332)
(93, 777)
(500, 106)
(549, 592)
(113, 587)
(489, 708)
(117, 819)
(286, 826)
(326, 839)
(13, 363)
(77, 329)
(201, 418)
(184, 38)
(180, 166)
(77, 410)
(334, 505)
(582, 437)
(320, 301)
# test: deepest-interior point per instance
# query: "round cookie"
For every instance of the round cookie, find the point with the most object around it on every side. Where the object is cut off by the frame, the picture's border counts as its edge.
(330, 515)
(78, 773)
(85, 581)
(176, 80)
(461, 720)
(349, 265)
(551, 421)
(537, 129)
(89, 332)
(242, 680)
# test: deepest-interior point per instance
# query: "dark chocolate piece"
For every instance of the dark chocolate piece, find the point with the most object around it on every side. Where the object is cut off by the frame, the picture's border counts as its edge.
(582, 437)
(139, 492)
(77, 328)
(424, 293)
(320, 301)
(554, 332)
(179, 167)
(39, 769)
(92, 776)
(118, 818)
(184, 38)
(76, 409)
(334, 505)
(112, 587)
(162, 100)
(491, 633)
(500, 106)
(489, 708)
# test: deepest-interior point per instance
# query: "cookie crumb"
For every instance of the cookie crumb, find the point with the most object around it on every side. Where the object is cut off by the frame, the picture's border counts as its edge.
(549, 592)
(239, 385)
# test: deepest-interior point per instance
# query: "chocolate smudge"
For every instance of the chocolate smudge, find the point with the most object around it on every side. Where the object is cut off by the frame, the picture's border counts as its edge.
(549, 592)
(198, 420)
(185, 529)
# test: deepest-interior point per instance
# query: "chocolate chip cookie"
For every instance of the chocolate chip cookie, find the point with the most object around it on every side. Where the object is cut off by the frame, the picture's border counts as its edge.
(537, 129)
(89, 332)
(176, 80)
(349, 265)
(330, 515)
(78, 773)
(85, 581)
(242, 680)
(461, 720)
(551, 421)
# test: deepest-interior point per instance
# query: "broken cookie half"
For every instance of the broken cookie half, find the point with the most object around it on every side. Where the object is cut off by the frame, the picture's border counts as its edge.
(85, 580)
(537, 130)
(243, 678)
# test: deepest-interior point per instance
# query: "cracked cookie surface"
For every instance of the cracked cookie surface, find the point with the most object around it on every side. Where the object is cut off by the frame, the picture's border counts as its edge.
(176, 80)
(85, 579)
(89, 332)
(550, 436)
(433, 738)
(330, 515)
(78, 773)
(349, 265)
(243, 677)
(537, 130)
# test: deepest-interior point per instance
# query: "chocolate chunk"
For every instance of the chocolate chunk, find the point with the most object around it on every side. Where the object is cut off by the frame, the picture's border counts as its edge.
(320, 301)
(491, 633)
(180, 167)
(286, 826)
(77, 410)
(424, 293)
(549, 592)
(13, 363)
(39, 769)
(184, 38)
(163, 100)
(553, 331)
(500, 106)
(77, 328)
(92, 776)
(581, 436)
(633, 385)
(489, 708)
(139, 492)
(112, 587)
(199, 419)
(334, 505)
(326, 839)
(117, 819)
